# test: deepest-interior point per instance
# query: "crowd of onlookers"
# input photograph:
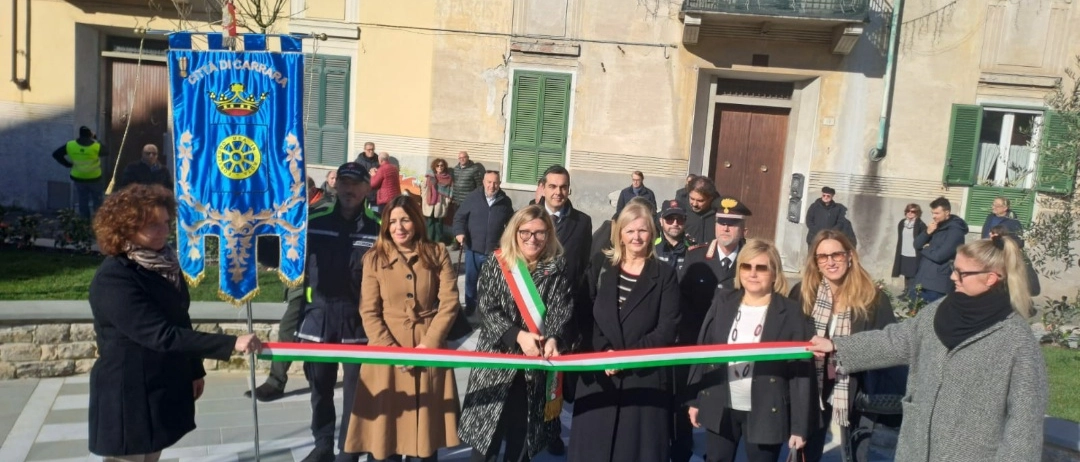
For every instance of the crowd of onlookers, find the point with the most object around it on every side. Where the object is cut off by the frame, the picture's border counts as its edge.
(539, 282)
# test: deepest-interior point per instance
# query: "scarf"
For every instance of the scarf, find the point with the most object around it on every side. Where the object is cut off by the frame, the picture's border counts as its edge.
(163, 262)
(438, 186)
(823, 311)
(962, 316)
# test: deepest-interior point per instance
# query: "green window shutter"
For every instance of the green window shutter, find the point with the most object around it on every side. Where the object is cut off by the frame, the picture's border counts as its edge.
(312, 103)
(963, 150)
(326, 109)
(538, 124)
(980, 198)
(1056, 172)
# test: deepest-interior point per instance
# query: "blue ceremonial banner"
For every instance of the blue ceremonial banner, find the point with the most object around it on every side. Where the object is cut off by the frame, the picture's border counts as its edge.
(238, 122)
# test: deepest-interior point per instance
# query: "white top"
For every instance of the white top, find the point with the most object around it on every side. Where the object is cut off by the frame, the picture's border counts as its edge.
(749, 322)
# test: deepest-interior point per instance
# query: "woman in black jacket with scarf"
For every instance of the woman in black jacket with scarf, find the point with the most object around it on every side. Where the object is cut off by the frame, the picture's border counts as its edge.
(149, 370)
(837, 294)
(766, 404)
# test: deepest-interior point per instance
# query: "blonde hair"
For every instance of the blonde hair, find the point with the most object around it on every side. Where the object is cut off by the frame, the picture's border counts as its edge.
(1002, 255)
(857, 291)
(631, 212)
(754, 248)
(511, 250)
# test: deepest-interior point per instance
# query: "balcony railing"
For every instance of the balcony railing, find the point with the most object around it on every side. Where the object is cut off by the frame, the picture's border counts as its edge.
(849, 10)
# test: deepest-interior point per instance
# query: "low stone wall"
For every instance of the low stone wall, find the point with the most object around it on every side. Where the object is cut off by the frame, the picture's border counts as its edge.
(63, 349)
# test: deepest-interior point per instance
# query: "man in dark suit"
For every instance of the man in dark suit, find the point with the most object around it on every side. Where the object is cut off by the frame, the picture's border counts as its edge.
(637, 188)
(574, 231)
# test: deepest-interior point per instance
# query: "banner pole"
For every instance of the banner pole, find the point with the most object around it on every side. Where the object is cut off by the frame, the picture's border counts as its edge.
(251, 384)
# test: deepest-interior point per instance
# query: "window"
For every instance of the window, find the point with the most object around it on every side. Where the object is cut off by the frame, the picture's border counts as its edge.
(326, 109)
(1006, 146)
(996, 151)
(538, 125)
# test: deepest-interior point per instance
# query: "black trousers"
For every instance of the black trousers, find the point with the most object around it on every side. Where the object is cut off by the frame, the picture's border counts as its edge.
(682, 437)
(322, 377)
(290, 322)
(855, 449)
(720, 447)
(512, 427)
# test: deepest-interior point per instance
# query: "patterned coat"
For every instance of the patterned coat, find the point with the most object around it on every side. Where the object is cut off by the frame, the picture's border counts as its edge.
(984, 400)
(488, 388)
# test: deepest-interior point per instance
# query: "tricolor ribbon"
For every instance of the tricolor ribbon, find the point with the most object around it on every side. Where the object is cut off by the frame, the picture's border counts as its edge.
(582, 362)
(533, 310)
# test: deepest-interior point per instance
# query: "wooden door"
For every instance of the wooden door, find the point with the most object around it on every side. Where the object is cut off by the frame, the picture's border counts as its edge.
(147, 107)
(748, 161)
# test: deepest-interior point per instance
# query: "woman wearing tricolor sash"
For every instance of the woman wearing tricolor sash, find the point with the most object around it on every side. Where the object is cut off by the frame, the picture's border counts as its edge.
(409, 299)
(525, 304)
(625, 415)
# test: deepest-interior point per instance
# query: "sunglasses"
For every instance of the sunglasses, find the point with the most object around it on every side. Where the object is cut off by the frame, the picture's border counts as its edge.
(756, 268)
(674, 219)
(838, 257)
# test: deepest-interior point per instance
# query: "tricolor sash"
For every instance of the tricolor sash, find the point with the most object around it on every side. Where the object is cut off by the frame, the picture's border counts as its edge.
(532, 309)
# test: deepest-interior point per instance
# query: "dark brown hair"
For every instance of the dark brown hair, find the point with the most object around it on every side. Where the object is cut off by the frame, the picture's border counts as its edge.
(124, 213)
(915, 208)
(436, 162)
(385, 246)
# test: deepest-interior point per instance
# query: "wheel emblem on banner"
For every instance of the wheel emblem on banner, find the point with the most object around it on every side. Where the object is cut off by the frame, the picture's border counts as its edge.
(238, 157)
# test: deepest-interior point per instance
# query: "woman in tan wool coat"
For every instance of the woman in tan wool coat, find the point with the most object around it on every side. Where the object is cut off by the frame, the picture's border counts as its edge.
(409, 299)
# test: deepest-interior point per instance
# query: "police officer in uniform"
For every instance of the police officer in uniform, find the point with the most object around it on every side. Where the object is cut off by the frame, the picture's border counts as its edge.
(338, 238)
(672, 245)
(711, 265)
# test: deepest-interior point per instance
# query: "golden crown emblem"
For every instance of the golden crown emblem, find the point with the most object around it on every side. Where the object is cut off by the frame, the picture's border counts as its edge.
(728, 204)
(235, 102)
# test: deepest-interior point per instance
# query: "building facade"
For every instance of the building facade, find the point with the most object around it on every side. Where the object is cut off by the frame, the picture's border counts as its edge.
(773, 99)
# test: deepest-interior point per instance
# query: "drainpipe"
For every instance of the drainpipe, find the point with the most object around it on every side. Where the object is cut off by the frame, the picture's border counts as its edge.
(878, 152)
(23, 83)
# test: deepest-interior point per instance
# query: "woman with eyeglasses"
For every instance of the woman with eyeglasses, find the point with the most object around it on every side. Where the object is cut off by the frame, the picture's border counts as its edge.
(839, 296)
(512, 406)
(1001, 215)
(764, 405)
(623, 415)
(906, 259)
(408, 299)
(977, 387)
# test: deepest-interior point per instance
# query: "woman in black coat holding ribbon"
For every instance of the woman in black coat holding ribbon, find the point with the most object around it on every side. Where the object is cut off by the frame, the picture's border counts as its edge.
(624, 415)
(505, 404)
(763, 405)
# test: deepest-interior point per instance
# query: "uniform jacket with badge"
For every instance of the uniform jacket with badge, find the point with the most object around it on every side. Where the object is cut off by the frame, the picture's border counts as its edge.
(626, 416)
(782, 393)
(334, 268)
(141, 395)
(413, 412)
(703, 275)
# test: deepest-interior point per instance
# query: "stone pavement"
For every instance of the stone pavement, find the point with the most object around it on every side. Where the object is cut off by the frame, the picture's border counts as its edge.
(45, 420)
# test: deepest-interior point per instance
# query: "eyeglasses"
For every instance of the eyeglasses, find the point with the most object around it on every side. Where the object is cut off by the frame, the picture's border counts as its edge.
(746, 267)
(838, 257)
(963, 274)
(525, 234)
(674, 219)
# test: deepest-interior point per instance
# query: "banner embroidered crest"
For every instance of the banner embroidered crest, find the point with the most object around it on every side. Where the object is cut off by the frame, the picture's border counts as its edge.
(238, 124)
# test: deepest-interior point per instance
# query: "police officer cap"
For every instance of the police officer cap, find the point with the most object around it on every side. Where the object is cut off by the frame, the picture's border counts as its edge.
(355, 171)
(729, 208)
(671, 207)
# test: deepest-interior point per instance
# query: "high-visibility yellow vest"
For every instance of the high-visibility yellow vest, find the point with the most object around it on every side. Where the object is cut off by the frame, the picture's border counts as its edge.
(87, 163)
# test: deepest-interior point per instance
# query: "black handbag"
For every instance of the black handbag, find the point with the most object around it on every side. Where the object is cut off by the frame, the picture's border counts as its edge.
(882, 390)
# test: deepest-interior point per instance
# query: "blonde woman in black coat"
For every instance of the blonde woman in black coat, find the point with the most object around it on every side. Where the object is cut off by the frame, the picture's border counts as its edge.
(624, 415)
(149, 371)
(764, 405)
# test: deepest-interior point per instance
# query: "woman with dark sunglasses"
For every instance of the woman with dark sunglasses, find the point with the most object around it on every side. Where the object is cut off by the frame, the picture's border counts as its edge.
(765, 405)
(837, 294)
(906, 260)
